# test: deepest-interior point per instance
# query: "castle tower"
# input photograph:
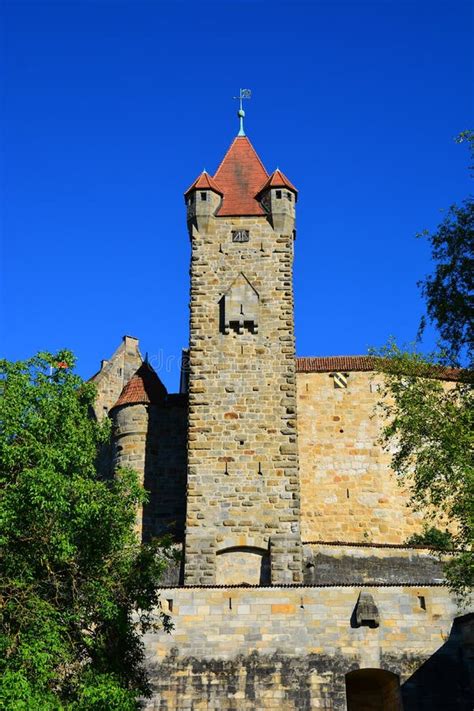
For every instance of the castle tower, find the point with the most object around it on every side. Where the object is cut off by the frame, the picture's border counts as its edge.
(243, 507)
(131, 416)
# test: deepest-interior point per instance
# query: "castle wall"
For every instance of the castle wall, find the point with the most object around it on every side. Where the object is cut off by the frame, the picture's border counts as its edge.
(243, 488)
(326, 564)
(290, 648)
(348, 491)
(114, 374)
(165, 469)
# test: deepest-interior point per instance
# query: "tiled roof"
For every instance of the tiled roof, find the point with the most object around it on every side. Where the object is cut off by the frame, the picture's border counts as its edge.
(333, 363)
(329, 364)
(240, 176)
(204, 182)
(278, 180)
(143, 387)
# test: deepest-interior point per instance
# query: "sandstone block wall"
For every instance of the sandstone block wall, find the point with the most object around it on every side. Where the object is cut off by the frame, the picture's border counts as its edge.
(291, 648)
(114, 374)
(243, 486)
(348, 490)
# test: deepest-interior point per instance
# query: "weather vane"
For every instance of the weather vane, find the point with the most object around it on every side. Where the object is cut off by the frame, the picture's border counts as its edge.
(244, 94)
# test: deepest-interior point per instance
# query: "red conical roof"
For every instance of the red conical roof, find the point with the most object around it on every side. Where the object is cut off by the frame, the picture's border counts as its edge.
(278, 180)
(204, 182)
(240, 176)
(144, 387)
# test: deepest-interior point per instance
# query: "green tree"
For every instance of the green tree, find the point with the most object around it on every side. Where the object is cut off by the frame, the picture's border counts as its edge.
(429, 408)
(430, 421)
(76, 589)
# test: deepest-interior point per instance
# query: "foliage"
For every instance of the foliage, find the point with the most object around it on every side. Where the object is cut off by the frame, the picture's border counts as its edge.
(77, 588)
(430, 422)
(432, 537)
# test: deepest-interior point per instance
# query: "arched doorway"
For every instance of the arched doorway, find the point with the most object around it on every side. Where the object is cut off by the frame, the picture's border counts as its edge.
(373, 690)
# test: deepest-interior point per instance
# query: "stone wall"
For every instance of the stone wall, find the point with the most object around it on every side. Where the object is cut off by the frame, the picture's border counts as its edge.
(243, 488)
(291, 648)
(342, 564)
(348, 490)
(165, 470)
(114, 374)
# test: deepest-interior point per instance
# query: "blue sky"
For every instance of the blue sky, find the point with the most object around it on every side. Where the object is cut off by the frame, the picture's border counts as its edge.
(111, 109)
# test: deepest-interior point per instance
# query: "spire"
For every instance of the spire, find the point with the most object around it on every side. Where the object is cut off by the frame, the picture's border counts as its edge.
(240, 176)
(244, 94)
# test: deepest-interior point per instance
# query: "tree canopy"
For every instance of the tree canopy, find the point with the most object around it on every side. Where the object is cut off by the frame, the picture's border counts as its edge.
(77, 589)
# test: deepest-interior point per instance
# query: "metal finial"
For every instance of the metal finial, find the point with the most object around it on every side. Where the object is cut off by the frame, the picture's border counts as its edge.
(244, 94)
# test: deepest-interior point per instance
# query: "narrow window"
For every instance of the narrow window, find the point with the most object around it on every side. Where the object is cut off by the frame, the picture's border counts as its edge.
(422, 601)
(278, 194)
(204, 196)
(288, 195)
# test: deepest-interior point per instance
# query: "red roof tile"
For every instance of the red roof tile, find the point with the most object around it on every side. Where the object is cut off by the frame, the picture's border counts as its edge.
(240, 176)
(204, 182)
(329, 364)
(143, 387)
(278, 180)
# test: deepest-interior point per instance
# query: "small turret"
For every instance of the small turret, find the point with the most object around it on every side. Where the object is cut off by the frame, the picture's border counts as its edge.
(131, 418)
(202, 199)
(278, 196)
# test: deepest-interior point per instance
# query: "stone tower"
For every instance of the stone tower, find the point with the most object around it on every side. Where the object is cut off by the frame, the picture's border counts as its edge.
(133, 416)
(243, 503)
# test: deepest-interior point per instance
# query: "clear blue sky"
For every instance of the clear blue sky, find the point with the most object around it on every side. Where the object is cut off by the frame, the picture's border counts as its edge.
(112, 108)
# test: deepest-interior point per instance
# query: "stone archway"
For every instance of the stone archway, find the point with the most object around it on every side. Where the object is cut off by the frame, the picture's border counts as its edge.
(373, 690)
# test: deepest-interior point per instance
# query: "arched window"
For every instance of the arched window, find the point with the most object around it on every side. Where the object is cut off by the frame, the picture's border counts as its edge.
(373, 690)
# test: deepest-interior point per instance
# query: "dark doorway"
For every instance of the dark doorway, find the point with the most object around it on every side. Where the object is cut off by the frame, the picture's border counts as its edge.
(373, 690)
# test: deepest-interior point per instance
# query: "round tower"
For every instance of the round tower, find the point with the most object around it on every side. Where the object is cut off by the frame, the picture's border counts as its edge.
(131, 423)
